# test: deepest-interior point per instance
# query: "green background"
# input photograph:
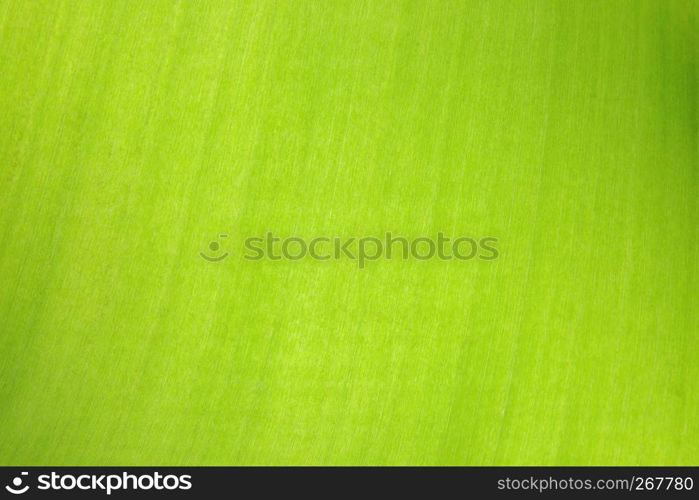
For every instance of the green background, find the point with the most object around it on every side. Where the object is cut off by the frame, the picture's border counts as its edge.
(133, 133)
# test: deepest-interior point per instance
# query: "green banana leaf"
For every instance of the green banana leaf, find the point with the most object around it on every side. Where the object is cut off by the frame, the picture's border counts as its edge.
(138, 136)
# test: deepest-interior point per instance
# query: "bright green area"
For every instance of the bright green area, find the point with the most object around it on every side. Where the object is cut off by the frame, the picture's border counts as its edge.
(133, 133)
